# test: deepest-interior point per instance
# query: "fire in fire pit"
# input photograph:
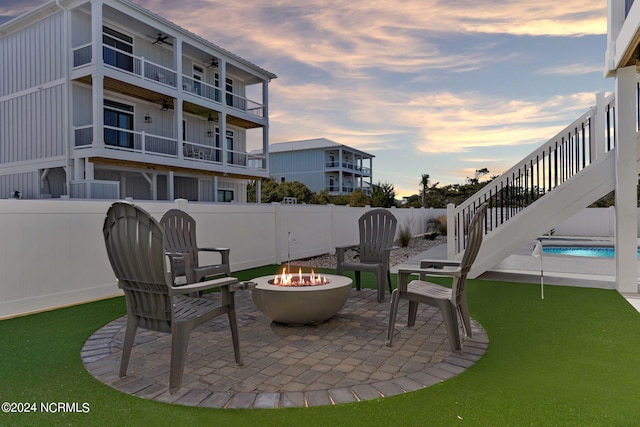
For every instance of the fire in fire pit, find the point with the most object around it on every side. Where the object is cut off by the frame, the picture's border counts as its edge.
(300, 304)
(289, 279)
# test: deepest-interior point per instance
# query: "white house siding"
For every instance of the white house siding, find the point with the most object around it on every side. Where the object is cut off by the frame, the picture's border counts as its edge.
(32, 56)
(306, 167)
(26, 183)
(33, 125)
(32, 97)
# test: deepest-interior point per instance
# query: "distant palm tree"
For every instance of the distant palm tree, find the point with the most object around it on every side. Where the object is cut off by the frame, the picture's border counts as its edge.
(424, 182)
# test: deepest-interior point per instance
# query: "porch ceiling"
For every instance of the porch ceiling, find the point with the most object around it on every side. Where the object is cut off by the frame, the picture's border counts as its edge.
(157, 98)
(130, 90)
(158, 167)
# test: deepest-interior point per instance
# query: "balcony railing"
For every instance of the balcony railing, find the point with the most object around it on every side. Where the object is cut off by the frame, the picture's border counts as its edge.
(347, 189)
(244, 104)
(200, 88)
(94, 189)
(124, 61)
(142, 142)
(201, 152)
(348, 166)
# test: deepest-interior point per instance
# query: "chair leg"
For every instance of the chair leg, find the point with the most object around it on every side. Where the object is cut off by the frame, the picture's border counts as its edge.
(380, 279)
(179, 342)
(450, 315)
(389, 280)
(463, 309)
(129, 336)
(393, 311)
(357, 274)
(413, 310)
(233, 324)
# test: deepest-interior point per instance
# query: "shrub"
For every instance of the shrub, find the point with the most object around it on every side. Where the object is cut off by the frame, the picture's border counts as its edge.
(404, 236)
(438, 224)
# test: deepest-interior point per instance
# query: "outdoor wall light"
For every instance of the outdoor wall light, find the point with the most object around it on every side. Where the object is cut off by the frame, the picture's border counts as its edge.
(165, 106)
(210, 118)
(209, 133)
(147, 118)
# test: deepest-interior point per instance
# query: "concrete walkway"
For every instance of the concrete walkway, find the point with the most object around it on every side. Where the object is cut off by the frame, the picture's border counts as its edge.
(563, 270)
(341, 360)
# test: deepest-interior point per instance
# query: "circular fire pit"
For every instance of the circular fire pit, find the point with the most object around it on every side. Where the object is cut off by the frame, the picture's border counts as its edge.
(301, 305)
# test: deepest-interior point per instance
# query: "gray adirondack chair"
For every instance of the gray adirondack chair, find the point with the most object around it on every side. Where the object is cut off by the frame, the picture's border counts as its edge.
(180, 233)
(451, 301)
(135, 246)
(377, 231)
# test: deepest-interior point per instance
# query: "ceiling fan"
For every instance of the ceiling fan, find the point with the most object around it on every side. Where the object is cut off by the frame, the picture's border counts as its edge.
(162, 40)
(214, 63)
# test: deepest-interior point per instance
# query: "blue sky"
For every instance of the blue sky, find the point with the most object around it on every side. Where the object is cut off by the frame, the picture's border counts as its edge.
(427, 86)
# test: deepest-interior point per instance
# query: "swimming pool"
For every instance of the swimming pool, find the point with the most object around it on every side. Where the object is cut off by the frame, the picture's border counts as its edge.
(593, 251)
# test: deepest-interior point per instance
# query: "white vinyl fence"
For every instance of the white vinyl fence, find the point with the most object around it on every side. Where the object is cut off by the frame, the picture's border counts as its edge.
(52, 251)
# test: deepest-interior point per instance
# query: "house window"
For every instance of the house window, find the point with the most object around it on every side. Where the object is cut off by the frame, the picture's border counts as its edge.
(225, 196)
(216, 156)
(230, 147)
(198, 74)
(118, 49)
(229, 89)
(118, 124)
(216, 83)
(282, 179)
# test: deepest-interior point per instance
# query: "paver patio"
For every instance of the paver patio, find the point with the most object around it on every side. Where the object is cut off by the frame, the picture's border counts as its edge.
(341, 360)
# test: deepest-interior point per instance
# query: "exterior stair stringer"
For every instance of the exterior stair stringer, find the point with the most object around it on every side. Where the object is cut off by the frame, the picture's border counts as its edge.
(556, 206)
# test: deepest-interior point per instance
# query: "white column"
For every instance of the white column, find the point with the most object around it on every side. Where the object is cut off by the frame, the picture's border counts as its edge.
(340, 170)
(97, 90)
(179, 100)
(626, 181)
(96, 31)
(97, 108)
(222, 123)
(258, 191)
(170, 184)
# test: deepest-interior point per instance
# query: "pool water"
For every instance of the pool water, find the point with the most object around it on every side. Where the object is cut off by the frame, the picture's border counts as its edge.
(602, 252)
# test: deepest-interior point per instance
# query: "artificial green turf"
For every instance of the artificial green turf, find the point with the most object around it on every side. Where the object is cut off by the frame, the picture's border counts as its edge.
(570, 359)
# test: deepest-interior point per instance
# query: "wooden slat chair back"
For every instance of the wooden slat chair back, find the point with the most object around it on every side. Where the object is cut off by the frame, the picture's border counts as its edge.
(377, 229)
(180, 232)
(136, 250)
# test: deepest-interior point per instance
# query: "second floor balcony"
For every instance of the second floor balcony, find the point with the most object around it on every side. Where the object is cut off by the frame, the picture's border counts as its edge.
(162, 146)
(146, 70)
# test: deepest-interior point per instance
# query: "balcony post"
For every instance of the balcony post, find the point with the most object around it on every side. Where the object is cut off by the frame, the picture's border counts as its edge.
(96, 32)
(598, 143)
(451, 231)
(626, 181)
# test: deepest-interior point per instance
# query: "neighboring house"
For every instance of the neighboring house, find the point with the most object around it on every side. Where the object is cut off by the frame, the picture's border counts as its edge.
(105, 99)
(321, 164)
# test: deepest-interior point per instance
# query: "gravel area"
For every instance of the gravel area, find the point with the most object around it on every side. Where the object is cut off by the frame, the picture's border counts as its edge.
(398, 256)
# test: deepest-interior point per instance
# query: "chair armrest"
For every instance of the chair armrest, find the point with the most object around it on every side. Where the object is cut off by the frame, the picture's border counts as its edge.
(438, 263)
(347, 247)
(340, 250)
(186, 261)
(404, 273)
(224, 253)
(202, 286)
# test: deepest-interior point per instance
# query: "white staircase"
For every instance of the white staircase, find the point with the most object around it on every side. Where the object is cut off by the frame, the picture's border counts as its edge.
(563, 176)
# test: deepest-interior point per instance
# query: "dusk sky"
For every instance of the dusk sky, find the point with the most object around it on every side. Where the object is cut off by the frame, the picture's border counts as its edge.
(426, 86)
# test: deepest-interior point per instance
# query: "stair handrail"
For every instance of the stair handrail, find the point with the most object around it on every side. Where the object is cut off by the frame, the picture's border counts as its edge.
(551, 164)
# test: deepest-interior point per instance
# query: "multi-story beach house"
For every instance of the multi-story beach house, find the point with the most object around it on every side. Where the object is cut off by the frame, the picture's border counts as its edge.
(105, 99)
(320, 164)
